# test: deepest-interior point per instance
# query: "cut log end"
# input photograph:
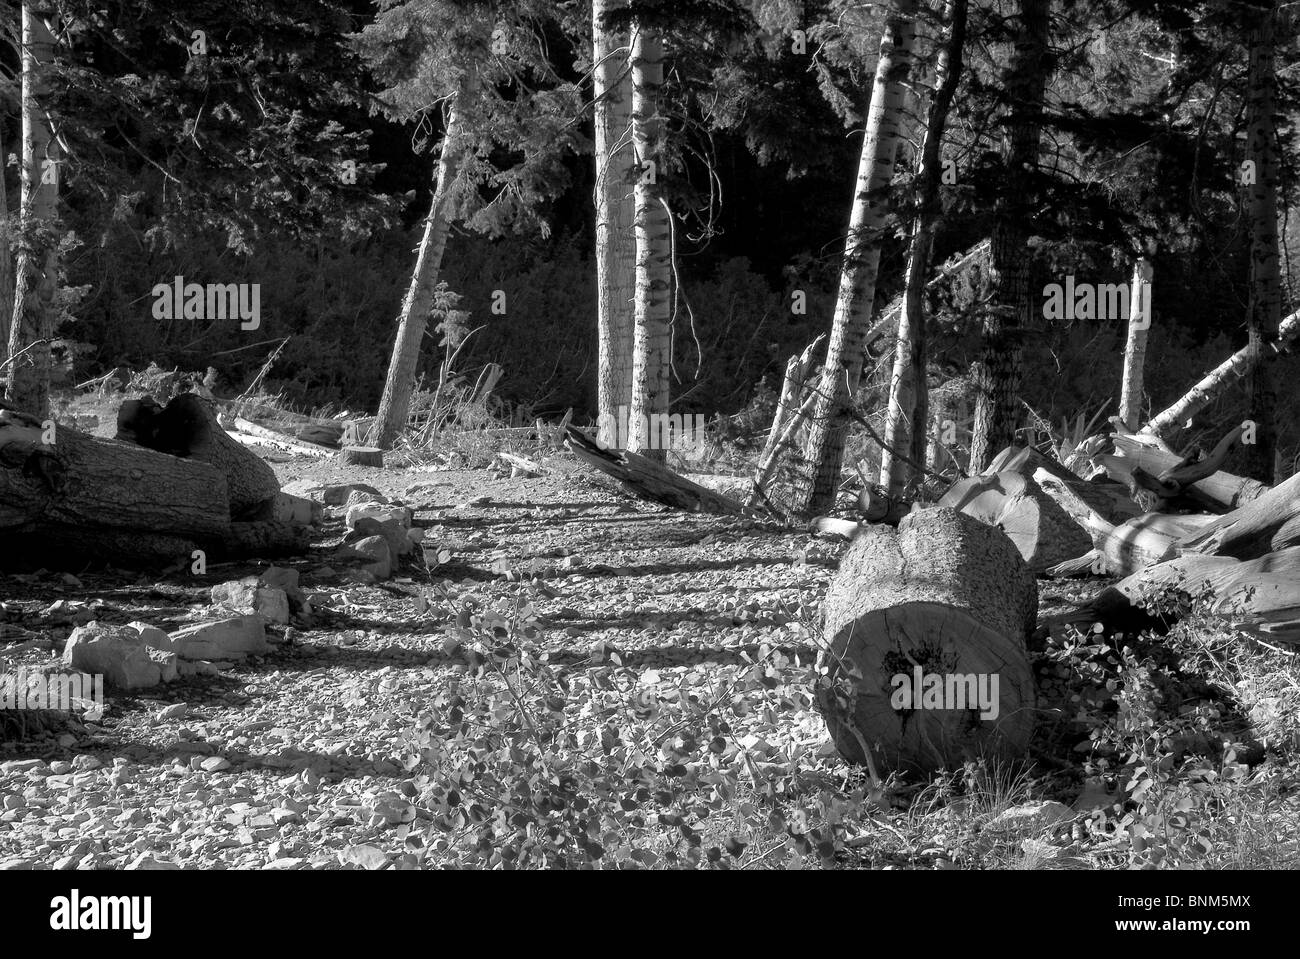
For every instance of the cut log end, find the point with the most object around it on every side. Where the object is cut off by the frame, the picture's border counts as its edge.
(362, 456)
(975, 697)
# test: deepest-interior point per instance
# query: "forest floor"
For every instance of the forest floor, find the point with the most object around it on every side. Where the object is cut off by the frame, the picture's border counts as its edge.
(305, 758)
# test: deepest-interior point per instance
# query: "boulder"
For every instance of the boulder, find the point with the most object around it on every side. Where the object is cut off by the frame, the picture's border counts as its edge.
(375, 549)
(248, 597)
(121, 654)
(399, 544)
(231, 638)
(338, 495)
(380, 512)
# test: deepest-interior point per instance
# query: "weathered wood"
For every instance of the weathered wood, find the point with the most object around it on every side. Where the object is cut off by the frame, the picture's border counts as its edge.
(281, 439)
(1260, 596)
(1109, 499)
(1219, 492)
(1268, 523)
(649, 480)
(187, 427)
(84, 481)
(362, 456)
(945, 593)
(1130, 546)
(1041, 530)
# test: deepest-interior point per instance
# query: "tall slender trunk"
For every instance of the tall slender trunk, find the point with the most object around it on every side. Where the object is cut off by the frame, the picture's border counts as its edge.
(395, 405)
(37, 270)
(818, 477)
(906, 415)
(650, 341)
(1009, 314)
(1135, 349)
(1265, 304)
(615, 218)
(6, 263)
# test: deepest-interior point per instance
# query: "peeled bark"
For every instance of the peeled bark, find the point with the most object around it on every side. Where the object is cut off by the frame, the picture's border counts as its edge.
(948, 594)
(1010, 310)
(395, 404)
(906, 412)
(1135, 349)
(37, 271)
(615, 217)
(824, 452)
(650, 337)
(1220, 491)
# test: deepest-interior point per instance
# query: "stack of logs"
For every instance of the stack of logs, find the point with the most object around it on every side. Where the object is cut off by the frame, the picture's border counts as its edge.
(171, 482)
(934, 596)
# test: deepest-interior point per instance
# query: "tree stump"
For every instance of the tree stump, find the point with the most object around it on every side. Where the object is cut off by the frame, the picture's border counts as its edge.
(362, 456)
(949, 597)
(1043, 532)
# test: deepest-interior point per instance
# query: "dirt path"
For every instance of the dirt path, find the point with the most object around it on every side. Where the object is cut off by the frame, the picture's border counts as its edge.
(294, 760)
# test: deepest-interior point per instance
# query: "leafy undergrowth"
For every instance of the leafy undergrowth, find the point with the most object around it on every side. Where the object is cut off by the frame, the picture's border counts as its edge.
(525, 762)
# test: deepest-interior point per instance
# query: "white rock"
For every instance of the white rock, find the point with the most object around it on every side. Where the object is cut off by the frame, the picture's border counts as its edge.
(232, 638)
(119, 653)
(380, 512)
(1031, 816)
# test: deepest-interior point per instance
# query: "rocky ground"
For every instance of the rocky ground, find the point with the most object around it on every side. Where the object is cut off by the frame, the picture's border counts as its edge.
(294, 759)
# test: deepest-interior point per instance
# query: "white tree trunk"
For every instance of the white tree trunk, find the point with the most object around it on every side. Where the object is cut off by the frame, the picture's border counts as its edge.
(37, 272)
(395, 405)
(824, 451)
(651, 340)
(1135, 350)
(615, 217)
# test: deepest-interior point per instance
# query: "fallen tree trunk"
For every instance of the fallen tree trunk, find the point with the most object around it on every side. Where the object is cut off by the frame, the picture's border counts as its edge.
(1260, 596)
(1216, 382)
(187, 428)
(649, 480)
(1219, 492)
(943, 596)
(1041, 530)
(1129, 546)
(83, 481)
(1267, 523)
(1110, 499)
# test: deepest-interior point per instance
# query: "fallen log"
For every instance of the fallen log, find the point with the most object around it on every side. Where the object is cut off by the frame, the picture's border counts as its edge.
(187, 428)
(1180, 412)
(1260, 596)
(1267, 523)
(647, 479)
(1109, 499)
(280, 439)
(1122, 549)
(83, 481)
(1041, 530)
(944, 596)
(1219, 492)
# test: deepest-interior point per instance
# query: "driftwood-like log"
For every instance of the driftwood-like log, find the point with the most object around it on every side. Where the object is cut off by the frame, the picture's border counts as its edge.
(1108, 499)
(1268, 523)
(1260, 596)
(283, 440)
(187, 427)
(1219, 492)
(951, 597)
(1041, 530)
(1129, 546)
(648, 479)
(83, 481)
